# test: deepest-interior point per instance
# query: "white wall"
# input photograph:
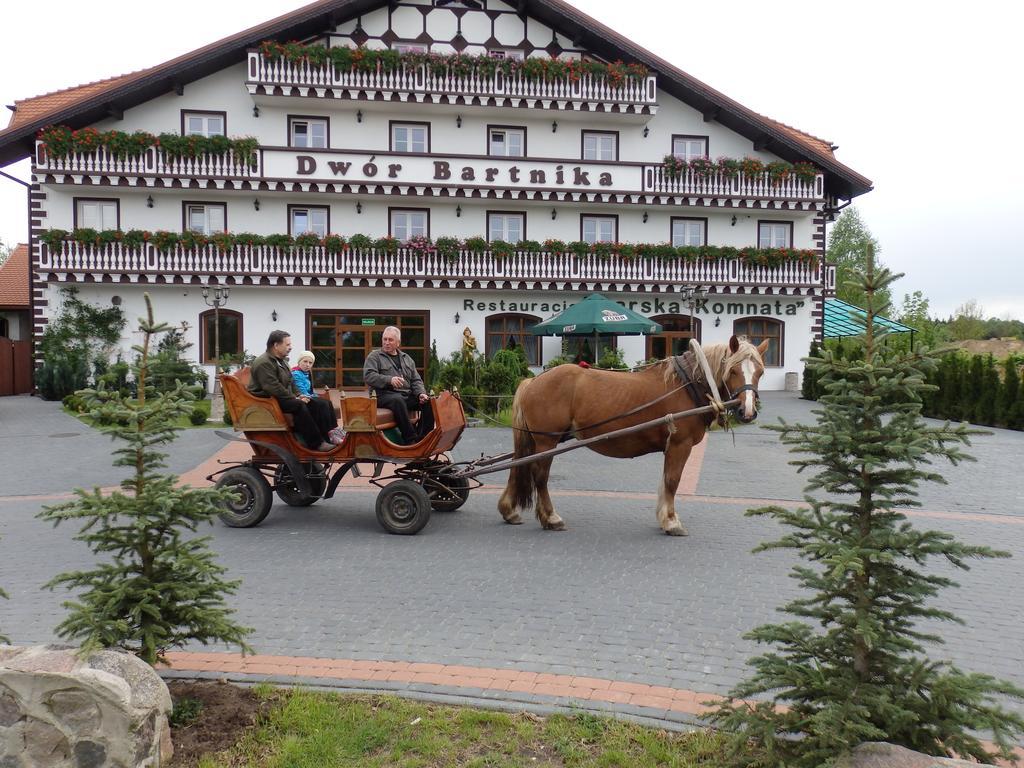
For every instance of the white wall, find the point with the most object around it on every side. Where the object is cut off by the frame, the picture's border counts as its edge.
(177, 304)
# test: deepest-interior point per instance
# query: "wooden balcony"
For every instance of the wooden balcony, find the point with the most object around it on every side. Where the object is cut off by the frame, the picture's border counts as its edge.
(153, 162)
(423, 85)
(716, 185)
(75, 262)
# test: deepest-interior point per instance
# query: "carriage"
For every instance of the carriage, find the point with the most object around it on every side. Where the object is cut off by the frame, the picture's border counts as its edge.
(422, 480)
(562, 410)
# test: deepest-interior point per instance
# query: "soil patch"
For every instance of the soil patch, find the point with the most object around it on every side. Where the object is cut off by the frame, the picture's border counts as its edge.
(1000, 349)
(228, 711)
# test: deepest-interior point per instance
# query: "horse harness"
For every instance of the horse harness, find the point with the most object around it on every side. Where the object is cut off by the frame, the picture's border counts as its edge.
(699, 394)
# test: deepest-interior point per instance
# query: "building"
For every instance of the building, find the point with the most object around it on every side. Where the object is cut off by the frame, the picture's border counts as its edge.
(15, 347)
(434, 122)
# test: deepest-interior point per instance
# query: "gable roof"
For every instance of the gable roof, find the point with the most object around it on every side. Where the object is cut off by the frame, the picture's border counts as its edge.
(87, 104)
(14, 293)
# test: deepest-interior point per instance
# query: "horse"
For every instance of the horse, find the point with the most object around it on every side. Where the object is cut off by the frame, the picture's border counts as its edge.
(569, 400)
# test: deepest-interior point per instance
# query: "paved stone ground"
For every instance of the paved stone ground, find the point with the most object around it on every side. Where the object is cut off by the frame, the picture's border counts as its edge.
(611, 600)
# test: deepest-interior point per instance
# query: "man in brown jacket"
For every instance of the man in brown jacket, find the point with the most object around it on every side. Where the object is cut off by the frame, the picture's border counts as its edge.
(271, 377)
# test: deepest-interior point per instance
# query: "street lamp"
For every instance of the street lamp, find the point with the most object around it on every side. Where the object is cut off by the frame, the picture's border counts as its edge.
(692, 295)
(217, 299)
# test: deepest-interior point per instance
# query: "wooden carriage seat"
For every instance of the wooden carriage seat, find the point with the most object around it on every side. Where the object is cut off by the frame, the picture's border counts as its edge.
(248, 412)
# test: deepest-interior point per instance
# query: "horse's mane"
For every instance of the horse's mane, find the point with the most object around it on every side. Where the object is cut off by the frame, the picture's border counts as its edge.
(720, 361)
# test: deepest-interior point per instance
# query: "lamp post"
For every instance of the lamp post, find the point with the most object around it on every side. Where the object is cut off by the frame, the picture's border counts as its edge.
(692, 294)
(216, 299)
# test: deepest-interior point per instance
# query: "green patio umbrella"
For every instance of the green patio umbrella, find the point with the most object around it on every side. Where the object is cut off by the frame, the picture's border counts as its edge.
(596, 316)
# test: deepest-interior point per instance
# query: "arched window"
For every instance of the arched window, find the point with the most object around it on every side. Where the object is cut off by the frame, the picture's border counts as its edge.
(675, 336)
(509, 331)
(757, 329)
(230, 335)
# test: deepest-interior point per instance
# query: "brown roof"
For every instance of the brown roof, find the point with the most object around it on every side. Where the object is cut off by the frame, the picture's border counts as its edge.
(14, 280)
(86, 104)
(36, 107)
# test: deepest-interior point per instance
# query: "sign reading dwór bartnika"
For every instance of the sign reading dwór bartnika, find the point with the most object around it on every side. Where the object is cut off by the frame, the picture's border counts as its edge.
(439, 170)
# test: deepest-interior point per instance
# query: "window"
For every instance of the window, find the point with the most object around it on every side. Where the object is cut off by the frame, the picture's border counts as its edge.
(230, 334)
(690, 147)
(203, 124)
(513, 332)
(675, 336)
(309, 132)
(410, 47)
(510, 227)
(757, 329)
(578, 348)
(774, 234)
(206, 218)
(599, 229)
(303, 219)
(506, 142)
(505, 53)
(689, 231)
(410, 137)
(406, 223)
(600, 145)
(97, 214)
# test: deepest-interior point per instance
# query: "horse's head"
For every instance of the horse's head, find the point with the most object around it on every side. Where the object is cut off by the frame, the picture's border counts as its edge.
(739, 374)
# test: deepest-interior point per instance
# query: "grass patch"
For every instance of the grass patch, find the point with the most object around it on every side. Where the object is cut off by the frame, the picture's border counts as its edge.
(308, 729)
(183, 421)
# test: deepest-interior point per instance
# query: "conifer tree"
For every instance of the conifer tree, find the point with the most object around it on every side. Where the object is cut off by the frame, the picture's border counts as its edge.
(972, 391)
(160, 587)
(851, 667)
(989, 399)
(1009, 392)
(809, 385)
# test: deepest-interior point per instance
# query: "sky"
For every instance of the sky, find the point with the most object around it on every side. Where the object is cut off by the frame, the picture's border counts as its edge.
(923, 98)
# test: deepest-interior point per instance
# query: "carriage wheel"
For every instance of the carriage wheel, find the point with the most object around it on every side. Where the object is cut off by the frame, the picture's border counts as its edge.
(253, 499)
(289, 494)
(403, 507)
(447, 493)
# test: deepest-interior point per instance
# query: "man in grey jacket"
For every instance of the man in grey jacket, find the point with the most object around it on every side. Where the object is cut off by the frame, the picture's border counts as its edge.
(392, 374)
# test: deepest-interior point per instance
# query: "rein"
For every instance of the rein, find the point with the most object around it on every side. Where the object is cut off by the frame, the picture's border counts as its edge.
(688, 383)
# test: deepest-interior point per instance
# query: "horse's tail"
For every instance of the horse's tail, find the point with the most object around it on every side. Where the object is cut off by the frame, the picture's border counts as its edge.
(520, 479)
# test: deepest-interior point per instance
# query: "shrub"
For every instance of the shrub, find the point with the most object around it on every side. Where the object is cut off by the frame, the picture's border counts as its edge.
(198, 416)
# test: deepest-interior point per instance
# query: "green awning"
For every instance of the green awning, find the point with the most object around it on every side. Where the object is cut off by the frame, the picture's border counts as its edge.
(842, 319)
(596, 315)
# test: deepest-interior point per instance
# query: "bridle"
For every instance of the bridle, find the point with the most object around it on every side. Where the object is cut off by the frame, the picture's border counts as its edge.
(734, 394)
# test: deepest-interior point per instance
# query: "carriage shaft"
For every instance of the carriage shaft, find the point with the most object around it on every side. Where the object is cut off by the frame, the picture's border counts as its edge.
(476, 469)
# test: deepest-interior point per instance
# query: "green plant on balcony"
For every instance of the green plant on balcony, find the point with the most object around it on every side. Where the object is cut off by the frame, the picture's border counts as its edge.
(501, 249)
(59, 141)
(419, 245)
(387, 244)
(778, 171)
(307, 240)
(751, 166)
(334, 244)
(476, 244)
(702, 167)
(163, 240)
(448, 248)
(675, 167)
(533, 68)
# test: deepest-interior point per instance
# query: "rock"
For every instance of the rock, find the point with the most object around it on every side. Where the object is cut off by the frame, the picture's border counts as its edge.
(875, 754)
(58, 709)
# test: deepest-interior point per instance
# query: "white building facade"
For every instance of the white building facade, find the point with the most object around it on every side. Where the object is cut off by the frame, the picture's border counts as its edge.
(439, 152)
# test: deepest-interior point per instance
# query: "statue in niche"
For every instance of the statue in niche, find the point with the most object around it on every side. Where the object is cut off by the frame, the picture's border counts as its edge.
(469, 350)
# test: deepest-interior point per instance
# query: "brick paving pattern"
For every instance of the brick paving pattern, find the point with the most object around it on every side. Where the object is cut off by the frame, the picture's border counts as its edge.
(610, 615)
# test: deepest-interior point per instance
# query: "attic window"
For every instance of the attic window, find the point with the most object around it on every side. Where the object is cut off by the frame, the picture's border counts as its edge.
(458, 4)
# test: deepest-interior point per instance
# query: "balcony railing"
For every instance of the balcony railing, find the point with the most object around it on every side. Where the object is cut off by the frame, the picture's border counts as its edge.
(242, 261)
(154, 162)
(657, 179)
(423, 79)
